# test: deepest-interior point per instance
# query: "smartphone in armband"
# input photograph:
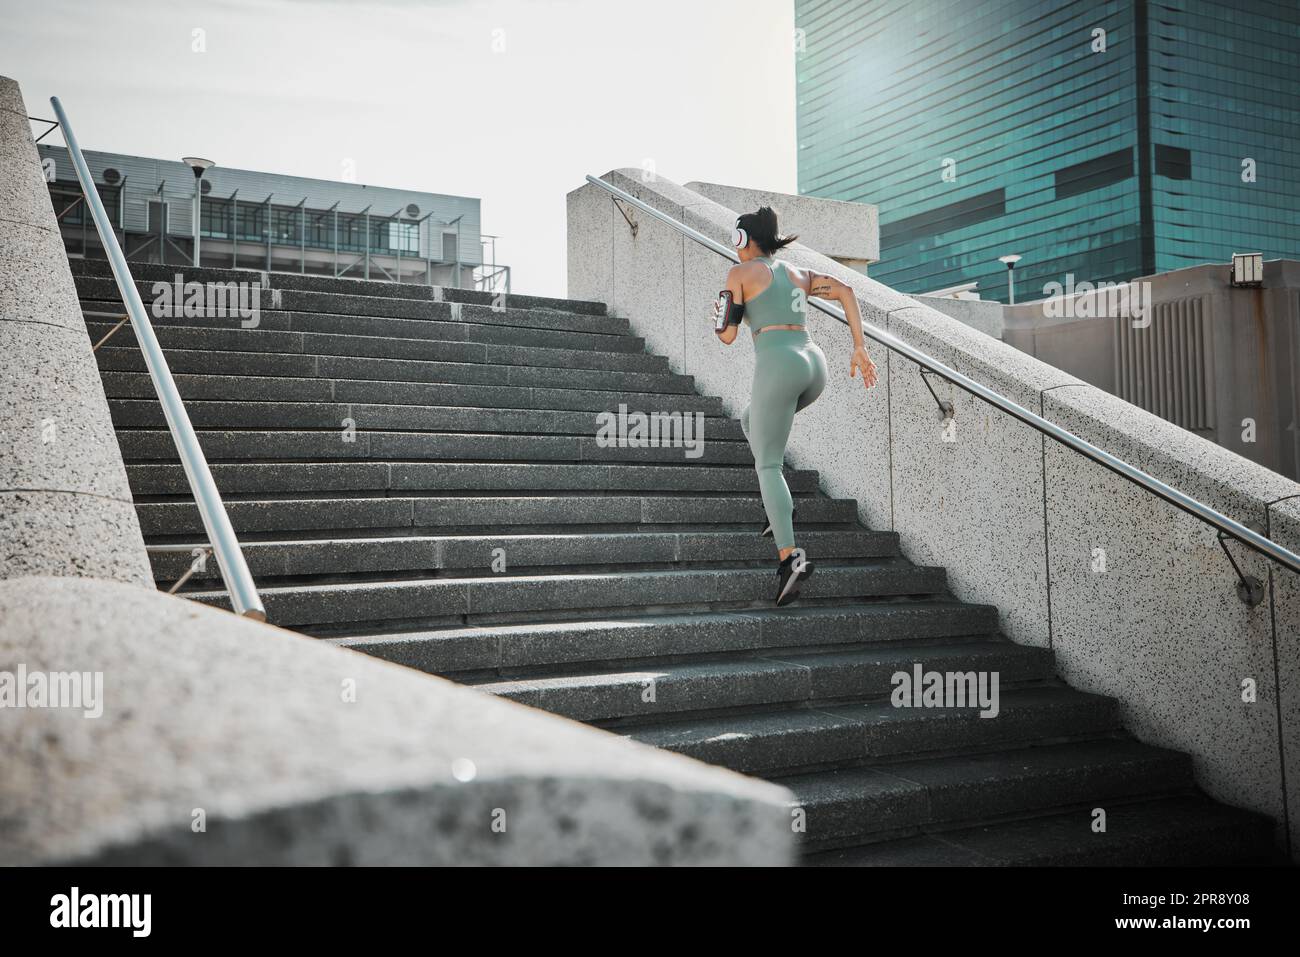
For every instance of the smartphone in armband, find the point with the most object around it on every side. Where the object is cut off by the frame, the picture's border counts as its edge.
(728, 313)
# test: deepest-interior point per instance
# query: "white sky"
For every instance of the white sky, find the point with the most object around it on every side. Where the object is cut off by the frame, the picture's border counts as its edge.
(704, 89)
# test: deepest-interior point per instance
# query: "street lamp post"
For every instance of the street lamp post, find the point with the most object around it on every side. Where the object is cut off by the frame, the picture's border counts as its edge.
(198, 164)
(456, 222)
(1011, 261)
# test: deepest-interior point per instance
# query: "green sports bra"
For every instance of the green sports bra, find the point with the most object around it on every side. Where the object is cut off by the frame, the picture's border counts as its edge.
(777, 305)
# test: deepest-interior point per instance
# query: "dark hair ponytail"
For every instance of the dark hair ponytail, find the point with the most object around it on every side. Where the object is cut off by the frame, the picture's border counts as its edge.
(762, 228)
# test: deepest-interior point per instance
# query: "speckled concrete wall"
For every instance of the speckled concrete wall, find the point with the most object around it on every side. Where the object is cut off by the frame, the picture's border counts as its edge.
(847, 232)
(1135, 597)
(982, 314)
(65, 508)
(1284, 526)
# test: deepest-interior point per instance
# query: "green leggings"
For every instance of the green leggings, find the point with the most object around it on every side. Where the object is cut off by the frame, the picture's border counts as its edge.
(789, 374)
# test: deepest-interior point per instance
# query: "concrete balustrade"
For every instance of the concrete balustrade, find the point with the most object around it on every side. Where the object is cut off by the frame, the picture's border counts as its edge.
(1134, 596)
(65, 507)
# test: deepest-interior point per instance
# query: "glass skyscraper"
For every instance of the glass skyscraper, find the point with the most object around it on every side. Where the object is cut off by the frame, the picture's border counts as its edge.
(1107, 140)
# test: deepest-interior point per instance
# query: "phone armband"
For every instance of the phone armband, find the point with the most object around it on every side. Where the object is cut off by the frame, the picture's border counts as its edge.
(729, 312)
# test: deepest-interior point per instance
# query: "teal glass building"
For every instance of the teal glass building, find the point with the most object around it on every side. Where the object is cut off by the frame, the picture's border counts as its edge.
(1108, 140)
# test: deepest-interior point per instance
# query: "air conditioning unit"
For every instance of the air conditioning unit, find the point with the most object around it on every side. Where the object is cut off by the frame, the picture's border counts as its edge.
(1247, 269)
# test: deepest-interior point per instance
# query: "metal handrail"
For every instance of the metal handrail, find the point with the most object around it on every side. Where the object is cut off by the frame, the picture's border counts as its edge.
(234, 570)
(1226, 526)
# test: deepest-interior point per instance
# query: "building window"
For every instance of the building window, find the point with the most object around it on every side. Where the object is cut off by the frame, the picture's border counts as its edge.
(1173, 162)
(215, 218)
(291, 225)
(1094, 173)
(67, 201)
(944, 219)
(404, 237)
(320, 229)
(352, 233)
(285, 222)
(251, 221)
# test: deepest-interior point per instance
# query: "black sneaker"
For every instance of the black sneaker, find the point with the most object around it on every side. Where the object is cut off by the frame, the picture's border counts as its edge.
(788, 580)
(767, 529)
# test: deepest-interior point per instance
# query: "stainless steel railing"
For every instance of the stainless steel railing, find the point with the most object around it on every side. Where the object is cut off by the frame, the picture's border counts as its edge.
(1226, 526)
(234, 570)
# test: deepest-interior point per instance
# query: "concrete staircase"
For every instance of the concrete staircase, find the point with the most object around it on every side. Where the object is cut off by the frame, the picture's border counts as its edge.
(378, 444)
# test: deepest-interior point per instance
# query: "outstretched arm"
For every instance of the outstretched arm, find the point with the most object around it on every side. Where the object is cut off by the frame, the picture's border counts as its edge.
(832, 290)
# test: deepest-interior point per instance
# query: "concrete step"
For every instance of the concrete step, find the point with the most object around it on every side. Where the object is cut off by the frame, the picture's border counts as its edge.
(138, 385)
(371, 556)
(1185, 830)
(445, 513)
(359, 443)
(762, 680)
(538, 647)
(449, 321)
(456, 601)
(808, 739)
(113, 358)
(157, 272)
(307, 478)
(206, 414)
(272, 342)
(104, 293)
(853, 806)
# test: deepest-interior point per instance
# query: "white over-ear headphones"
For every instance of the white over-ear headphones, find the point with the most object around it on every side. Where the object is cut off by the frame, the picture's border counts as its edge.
(739, 238)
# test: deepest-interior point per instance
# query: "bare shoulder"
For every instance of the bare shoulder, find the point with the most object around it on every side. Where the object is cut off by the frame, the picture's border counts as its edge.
(800, 277)
(745, 274)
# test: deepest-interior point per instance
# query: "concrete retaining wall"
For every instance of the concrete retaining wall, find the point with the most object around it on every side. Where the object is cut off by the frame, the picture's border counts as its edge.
(65, 508)
(1135, 597)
